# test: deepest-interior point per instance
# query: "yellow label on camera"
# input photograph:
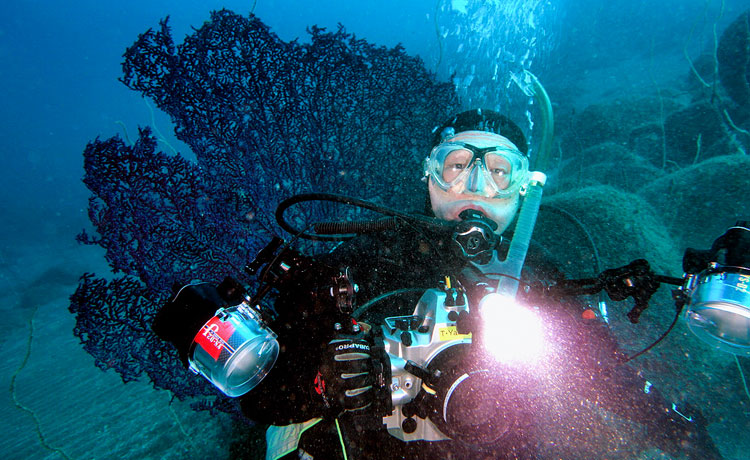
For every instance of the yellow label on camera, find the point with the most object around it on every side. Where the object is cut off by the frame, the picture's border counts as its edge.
(451, 333)
(743, 283)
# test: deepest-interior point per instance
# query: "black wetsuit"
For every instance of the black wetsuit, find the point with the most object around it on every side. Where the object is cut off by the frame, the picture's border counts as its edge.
(566, 418)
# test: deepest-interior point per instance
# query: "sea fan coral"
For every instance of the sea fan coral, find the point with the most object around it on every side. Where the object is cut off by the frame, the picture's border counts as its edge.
(265, 119)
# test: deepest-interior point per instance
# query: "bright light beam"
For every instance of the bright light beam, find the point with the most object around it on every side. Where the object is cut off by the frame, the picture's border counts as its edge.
(512, 333)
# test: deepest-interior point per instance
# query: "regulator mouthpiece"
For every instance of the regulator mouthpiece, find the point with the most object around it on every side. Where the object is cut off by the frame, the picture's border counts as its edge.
(234, 350)
(475, 234)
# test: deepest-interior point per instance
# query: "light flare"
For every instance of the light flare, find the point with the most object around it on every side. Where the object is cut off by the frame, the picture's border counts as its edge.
(513, 333)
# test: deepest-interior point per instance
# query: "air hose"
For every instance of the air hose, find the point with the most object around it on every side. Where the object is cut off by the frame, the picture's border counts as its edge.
(513, 264)
(339, 231)
(548, 123)
(365, 226)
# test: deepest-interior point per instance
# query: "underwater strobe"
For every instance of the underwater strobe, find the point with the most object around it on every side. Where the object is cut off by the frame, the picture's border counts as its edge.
(228, 342)
(223, 334)
(717, 290)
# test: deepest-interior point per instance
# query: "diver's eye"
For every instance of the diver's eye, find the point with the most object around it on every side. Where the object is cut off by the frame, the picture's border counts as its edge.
(455, 162)
(500, 170)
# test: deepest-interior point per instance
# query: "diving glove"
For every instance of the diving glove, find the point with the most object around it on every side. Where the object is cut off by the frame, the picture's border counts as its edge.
(345, 376)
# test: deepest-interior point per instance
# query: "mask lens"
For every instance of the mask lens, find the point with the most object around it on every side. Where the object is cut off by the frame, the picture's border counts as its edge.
(499, 168)
(456, 162)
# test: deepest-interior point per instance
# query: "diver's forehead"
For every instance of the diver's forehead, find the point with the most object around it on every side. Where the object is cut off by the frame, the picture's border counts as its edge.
(482, 139)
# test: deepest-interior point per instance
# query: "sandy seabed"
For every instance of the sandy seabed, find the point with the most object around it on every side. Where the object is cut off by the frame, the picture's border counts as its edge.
(79, 411)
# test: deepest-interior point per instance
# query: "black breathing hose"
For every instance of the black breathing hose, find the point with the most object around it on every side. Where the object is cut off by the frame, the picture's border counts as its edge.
(339, 231)
(356, 227)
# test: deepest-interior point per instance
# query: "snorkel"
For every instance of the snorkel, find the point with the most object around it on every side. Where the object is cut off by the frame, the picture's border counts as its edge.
(509, 269)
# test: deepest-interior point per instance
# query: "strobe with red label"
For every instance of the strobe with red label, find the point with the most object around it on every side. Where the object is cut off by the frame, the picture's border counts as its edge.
(234, 350)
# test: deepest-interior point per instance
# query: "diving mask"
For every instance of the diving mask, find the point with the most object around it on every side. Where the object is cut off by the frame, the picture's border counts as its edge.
(494, 172)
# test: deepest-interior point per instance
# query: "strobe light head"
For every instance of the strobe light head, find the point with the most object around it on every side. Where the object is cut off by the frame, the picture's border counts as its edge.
(718, 291)
(234, 350)
(231, 346)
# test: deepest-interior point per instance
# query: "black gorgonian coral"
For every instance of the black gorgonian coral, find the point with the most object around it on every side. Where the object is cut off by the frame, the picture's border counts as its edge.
(266, 119)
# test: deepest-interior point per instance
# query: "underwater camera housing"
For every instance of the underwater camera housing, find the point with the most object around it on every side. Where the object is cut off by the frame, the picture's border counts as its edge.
(448, 380)
(717, 290)
(415, 344)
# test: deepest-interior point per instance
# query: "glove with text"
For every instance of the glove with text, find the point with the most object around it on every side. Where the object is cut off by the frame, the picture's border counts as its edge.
(345, 376)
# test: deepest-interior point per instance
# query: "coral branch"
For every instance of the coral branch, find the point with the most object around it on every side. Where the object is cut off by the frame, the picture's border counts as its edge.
(265, 119)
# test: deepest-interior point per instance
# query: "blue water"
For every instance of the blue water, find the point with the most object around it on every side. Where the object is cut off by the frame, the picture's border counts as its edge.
(59, 66)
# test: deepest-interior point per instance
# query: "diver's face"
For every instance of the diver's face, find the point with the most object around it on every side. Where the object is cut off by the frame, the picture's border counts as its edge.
(448, 204)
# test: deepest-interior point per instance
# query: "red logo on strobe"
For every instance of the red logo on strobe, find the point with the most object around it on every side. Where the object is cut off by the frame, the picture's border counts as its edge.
(213, 337)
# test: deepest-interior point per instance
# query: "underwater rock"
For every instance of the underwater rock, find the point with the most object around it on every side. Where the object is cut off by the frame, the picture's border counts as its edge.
(607, 164)
(622, 225)
(613, 121)
(647, 141)
(592, 126)
(691, 131)
(727, 145)
(733, 55)
(689, 200)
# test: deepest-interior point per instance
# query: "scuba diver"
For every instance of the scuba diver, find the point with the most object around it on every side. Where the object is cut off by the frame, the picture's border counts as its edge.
(421, 385)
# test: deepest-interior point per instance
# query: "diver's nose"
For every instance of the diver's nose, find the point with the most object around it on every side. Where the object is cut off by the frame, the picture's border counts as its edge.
(476, 182)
